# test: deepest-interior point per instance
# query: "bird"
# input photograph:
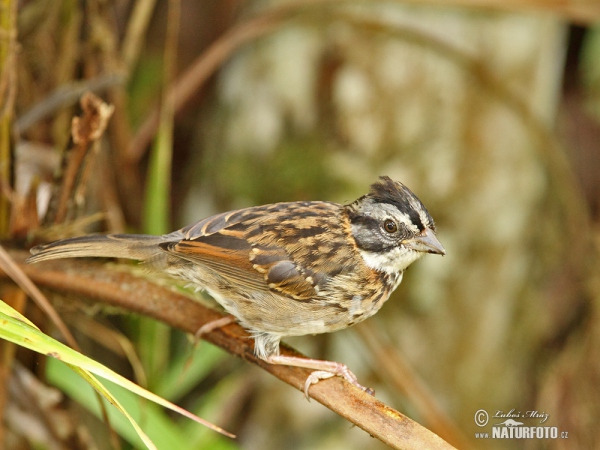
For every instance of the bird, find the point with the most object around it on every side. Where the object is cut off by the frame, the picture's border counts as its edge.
(286, 269)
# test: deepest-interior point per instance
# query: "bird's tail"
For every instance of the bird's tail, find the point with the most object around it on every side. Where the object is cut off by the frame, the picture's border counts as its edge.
(129, 246)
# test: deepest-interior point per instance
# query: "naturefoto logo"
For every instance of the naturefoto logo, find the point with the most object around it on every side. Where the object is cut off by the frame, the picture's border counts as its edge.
(511, 428)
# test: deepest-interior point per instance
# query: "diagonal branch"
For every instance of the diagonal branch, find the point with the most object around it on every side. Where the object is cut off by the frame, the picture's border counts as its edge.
(135, 294)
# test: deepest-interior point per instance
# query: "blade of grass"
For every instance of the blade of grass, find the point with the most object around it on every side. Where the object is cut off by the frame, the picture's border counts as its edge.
(12, 330)
(18, 329)
(159, 175)
(161, 430)
(22, 280)
(8, 35)
(154, 339)
(136, 31)
(104, 392)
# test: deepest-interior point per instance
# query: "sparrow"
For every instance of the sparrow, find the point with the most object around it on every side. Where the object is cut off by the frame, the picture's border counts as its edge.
(286, 269)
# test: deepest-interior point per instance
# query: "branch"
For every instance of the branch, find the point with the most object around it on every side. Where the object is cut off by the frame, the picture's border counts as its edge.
(135, 294)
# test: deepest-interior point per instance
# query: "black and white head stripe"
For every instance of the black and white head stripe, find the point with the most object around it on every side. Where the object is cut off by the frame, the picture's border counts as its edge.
(395, 193)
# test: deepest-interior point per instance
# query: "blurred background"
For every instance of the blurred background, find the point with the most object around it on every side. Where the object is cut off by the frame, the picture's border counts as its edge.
(488, 110)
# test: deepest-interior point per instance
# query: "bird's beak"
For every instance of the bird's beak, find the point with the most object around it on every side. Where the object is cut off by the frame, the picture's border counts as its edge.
(425, 242)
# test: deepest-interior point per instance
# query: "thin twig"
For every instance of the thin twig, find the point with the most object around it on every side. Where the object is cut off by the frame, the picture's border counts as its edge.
(135, 294)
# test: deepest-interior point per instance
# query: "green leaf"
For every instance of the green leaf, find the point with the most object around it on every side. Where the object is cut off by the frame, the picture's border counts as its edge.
(163, 432)
(17, 329)
(155, 337)
(156, 208)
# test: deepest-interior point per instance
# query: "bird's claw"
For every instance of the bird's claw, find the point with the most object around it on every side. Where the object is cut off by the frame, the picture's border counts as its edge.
(343, 372)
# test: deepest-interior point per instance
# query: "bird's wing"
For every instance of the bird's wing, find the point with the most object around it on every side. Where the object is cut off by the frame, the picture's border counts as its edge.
(262, 248)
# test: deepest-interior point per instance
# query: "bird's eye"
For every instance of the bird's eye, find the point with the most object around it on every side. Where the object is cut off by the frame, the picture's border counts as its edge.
(390, 226)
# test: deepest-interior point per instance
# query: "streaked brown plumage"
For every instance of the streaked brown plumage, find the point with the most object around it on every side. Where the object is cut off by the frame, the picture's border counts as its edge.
(287, 269)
